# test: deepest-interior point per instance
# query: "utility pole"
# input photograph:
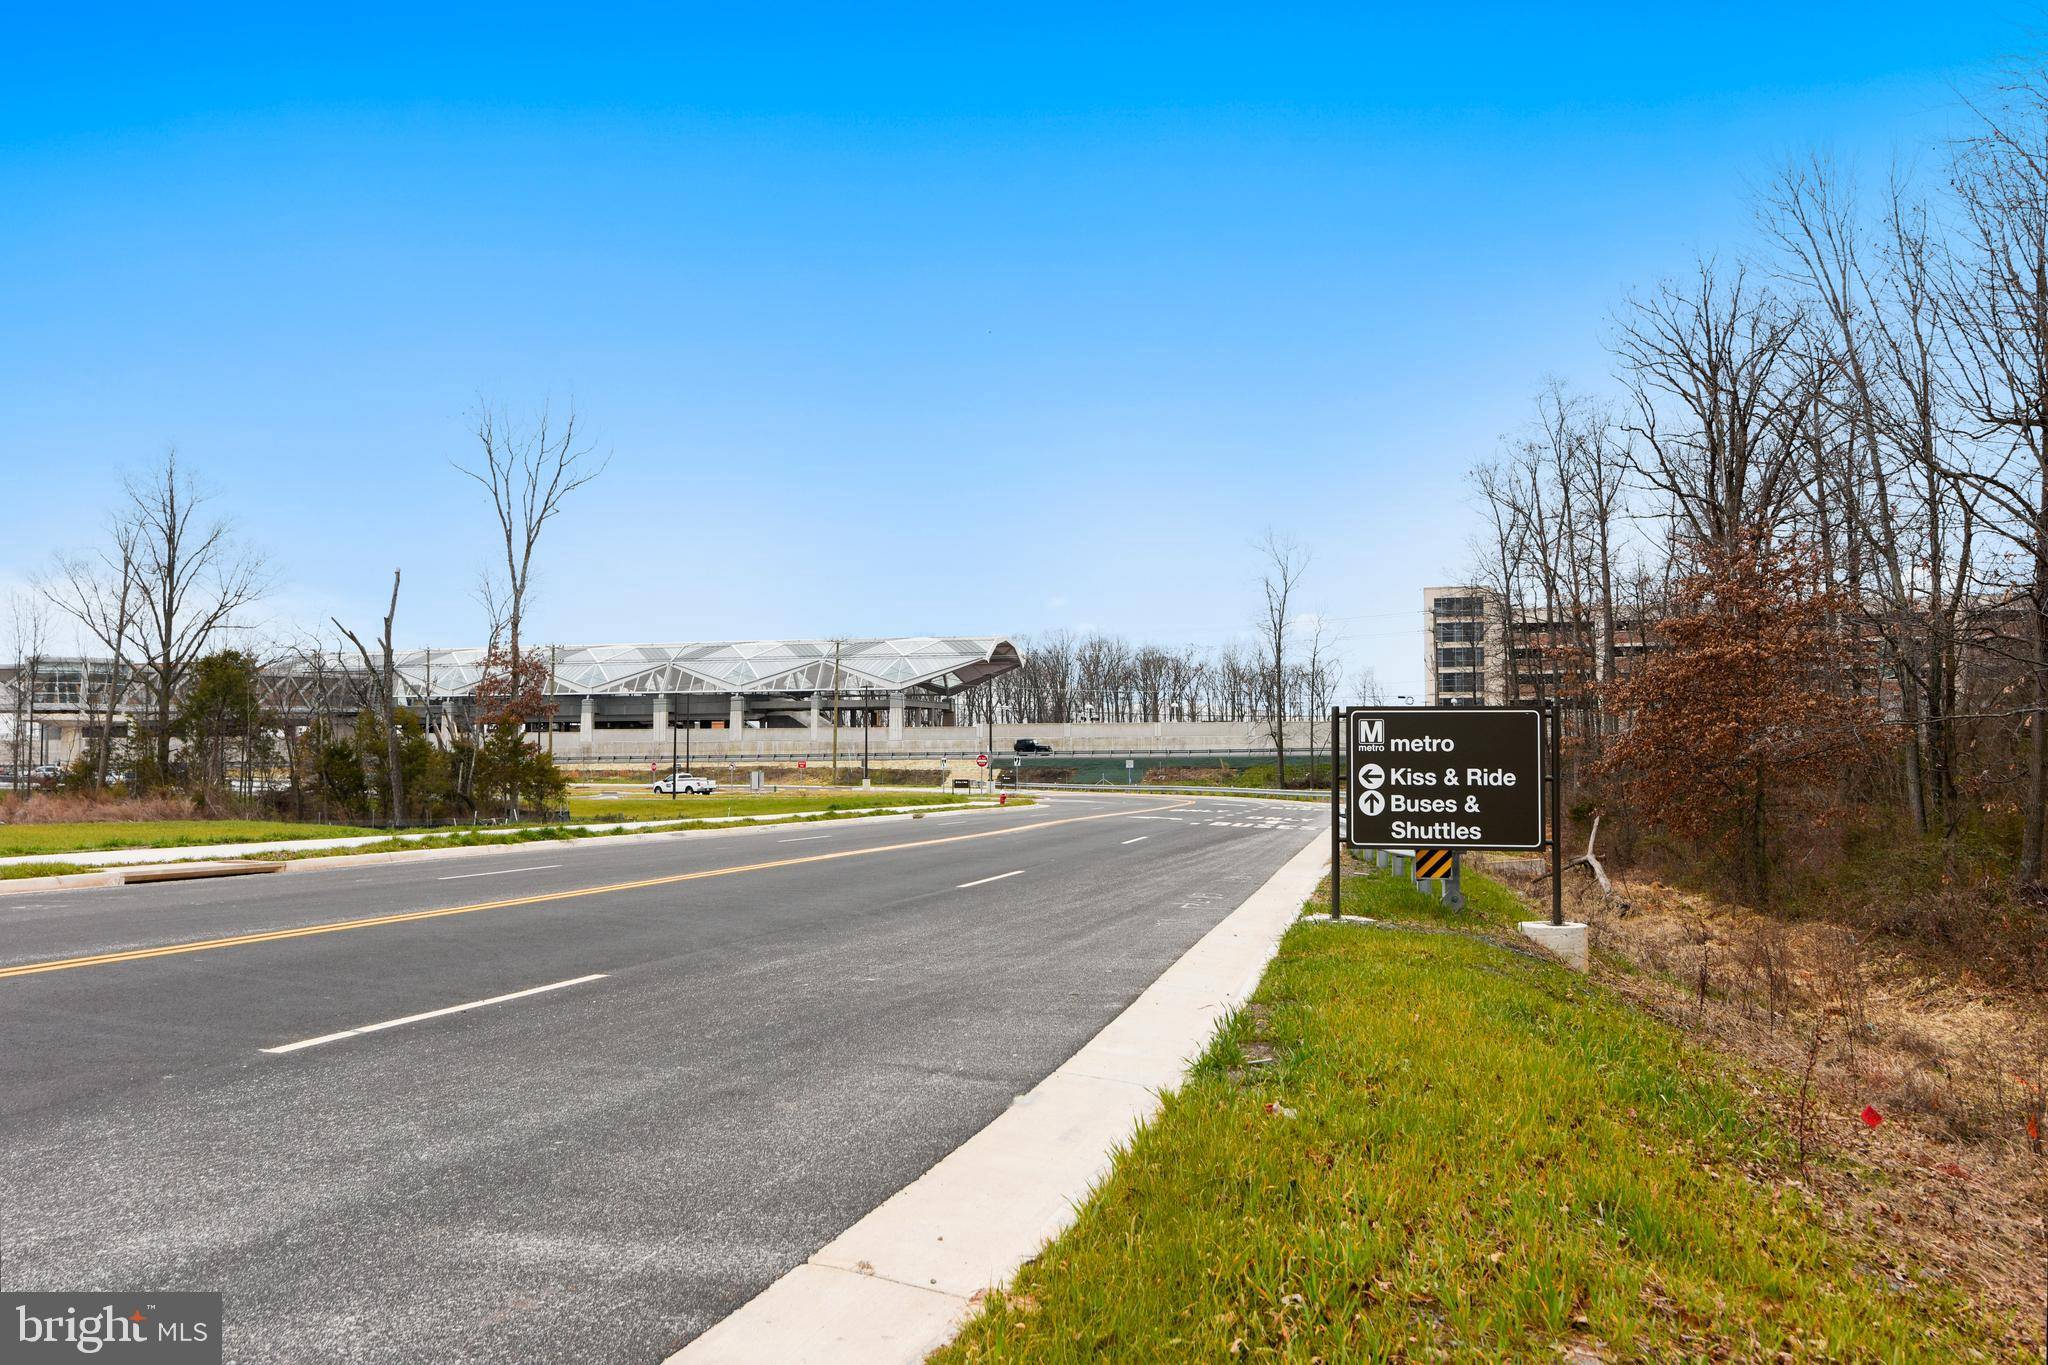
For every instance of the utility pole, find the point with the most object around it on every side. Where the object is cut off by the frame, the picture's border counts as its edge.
(673, 770)
(835, 712)
(867, 717)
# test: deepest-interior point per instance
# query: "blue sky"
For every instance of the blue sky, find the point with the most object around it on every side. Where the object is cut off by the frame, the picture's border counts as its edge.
(918, 321)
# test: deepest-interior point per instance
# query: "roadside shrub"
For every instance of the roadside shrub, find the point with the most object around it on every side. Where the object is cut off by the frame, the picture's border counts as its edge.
(59, 808)
(887, 777)
(1189, 777)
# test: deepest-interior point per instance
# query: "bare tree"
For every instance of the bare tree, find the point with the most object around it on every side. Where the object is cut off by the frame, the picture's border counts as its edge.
(1997, 304)
(528, 469)
(191, 577)
(1706, 365)
(1285, 562)
(102, 594)
(29, 625)
(1321, 676)
(383, 694)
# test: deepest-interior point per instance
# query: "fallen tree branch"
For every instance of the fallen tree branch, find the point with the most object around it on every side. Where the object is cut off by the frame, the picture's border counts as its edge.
(1591, 862)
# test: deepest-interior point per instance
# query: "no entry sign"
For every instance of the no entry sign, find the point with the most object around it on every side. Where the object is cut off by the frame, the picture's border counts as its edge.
(981, 760)
(1450, 777)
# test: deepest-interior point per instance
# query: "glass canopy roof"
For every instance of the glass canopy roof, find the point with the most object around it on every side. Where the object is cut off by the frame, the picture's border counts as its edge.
(929, 663)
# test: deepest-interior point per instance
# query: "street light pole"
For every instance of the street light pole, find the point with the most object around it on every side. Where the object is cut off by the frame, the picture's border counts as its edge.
(672, 769)
(835, 712)
(867, 718)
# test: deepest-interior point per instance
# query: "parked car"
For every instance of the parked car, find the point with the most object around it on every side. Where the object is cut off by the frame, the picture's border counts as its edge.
(45, 775)
(1031, 746)
(684, 784)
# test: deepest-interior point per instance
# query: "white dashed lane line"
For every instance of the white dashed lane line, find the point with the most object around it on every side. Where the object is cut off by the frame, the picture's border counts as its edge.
(986, 880)
(463, 876)
(1139, 840)
(433, 1014)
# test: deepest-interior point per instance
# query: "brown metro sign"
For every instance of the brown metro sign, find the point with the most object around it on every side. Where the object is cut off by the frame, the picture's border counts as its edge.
(1445, 778)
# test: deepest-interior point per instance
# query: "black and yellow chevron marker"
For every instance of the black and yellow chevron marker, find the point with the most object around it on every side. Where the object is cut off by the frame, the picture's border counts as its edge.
(1434, 862)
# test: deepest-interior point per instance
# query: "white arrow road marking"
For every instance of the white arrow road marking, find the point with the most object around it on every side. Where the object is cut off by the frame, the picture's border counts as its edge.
(435, 1014)
(986, 880)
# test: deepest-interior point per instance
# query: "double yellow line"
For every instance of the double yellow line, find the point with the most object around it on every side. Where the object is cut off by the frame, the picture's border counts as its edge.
(342, 926)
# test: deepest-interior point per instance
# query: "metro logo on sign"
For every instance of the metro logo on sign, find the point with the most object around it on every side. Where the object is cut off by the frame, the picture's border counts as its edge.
(1446, 778)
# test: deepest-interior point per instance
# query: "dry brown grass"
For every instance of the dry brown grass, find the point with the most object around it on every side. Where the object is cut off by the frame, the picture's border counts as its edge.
(56, 808)
(1838, 1019)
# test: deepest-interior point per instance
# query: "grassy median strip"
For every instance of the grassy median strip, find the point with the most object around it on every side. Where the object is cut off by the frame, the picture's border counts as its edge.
(743, 803)
(16, 871)
(91, 836)
(532, 834)
(1418, 1144)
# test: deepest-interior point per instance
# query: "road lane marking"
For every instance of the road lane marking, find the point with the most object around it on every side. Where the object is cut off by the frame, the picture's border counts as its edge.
(1139, 840)
(460, 876)
(409, 916)
(986, 880)
(434, 1014)
(803, 838)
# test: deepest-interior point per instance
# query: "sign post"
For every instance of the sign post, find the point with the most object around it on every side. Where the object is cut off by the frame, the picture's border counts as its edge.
(1427, 783)
(1337, 767)
(1556, 820)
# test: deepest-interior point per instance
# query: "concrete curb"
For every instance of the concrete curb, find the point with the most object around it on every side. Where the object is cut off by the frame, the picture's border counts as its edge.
(734, 824)
(185, 872)
(898, 1283)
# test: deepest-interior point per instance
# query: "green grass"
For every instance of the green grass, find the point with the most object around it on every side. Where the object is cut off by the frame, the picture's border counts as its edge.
(1489, 906)
(1457, 1152)
(527, 834)
(90, 835)
(96, 835)
(13, 871)
(651, 807)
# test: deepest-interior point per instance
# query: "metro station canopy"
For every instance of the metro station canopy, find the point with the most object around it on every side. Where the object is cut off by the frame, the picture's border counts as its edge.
(942, 665)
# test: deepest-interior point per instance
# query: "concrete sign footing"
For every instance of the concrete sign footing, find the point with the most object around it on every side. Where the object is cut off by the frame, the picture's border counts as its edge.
(1566, 941)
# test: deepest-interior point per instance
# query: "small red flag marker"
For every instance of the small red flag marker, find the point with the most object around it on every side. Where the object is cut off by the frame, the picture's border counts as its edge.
(1871, 1118)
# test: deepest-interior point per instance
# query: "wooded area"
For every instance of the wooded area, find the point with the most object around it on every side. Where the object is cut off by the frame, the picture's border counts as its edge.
(243, 720)
(1788, 578)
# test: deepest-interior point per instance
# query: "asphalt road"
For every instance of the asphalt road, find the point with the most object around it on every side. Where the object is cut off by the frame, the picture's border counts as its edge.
(769, 1031)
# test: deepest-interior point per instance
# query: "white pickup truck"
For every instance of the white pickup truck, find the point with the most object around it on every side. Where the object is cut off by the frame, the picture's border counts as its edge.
(683, 784)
